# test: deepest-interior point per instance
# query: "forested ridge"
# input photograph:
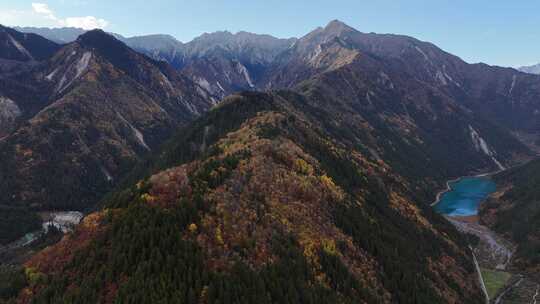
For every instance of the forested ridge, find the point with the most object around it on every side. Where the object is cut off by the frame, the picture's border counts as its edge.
(255, 203)
(516, 213)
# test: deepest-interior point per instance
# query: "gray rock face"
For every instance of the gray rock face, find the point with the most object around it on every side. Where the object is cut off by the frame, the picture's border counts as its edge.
(9, 111)
(222, 62)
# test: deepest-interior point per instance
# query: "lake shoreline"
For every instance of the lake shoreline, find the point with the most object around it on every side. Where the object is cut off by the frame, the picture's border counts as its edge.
(457, 179)
(492, 252)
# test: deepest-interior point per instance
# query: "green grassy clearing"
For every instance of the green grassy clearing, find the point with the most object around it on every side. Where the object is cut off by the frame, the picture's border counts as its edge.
(494, 280)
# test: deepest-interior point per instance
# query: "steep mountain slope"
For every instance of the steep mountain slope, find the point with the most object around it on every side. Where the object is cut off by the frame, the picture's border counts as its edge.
(417, 115)
(221, 62)
(24, 47)
(533, 69)
(515, 212)
(224, 63)
(101, 106)
(255, 191)
(160, 47)
(504, 96)
(18, 55)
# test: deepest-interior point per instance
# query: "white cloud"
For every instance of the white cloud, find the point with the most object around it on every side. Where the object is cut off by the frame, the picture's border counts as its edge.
(11, 17)
(42, 15)
(87, 23)
(42, 8)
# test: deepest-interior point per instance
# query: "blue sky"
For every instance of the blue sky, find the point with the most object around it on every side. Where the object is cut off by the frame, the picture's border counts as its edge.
(496, 32)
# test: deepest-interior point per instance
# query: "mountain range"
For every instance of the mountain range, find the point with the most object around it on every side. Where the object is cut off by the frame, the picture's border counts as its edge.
(221, 62)
(224, 63)
(240, 159)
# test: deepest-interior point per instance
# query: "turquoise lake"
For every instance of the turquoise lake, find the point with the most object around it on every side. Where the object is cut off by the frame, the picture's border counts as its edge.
(465, 196)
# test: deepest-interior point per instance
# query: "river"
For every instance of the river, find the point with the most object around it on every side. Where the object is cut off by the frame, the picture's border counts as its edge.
(64, 221)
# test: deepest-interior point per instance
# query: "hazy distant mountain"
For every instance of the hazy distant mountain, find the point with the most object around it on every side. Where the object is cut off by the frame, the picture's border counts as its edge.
(150, 43)
(533, 69)
(58, 35)
(221, 62)
(225, 63)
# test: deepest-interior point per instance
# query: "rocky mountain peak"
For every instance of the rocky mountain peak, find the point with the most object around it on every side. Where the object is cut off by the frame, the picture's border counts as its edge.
(113, 50)
(99, 39)
(336, 31)
(338, 27)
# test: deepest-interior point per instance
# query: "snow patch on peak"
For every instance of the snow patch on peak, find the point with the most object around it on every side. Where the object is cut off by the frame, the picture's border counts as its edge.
(8, 107)
(440, 77)
(316, 53)
(242, 69)
(9, 111)
(422, 53)
(78, 68)
(166, 81)
(138, 135)
(189, 106)
(19, 47)
(450, 78)
(51, 75)
(61, 86)
(204, 83)
(220, 86)
(106, 173)
(82, 64)
(444, 78)
(514, 78)
(385, 80)
(481, 146)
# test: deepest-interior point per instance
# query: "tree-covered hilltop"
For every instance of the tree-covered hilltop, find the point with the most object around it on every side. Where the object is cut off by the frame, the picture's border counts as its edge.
(257, 202)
